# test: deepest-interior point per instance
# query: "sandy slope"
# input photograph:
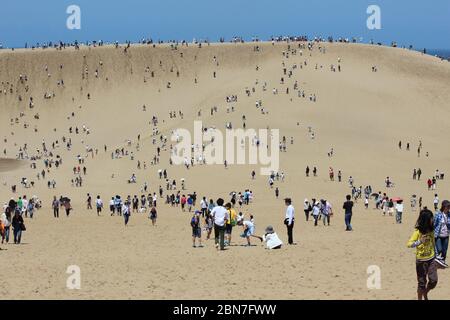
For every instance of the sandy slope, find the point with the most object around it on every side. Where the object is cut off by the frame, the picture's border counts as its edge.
(361, 114)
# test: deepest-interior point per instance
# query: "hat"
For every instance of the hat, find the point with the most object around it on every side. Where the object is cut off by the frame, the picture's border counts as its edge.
(445, 203)
(269, 229)
(306, 200)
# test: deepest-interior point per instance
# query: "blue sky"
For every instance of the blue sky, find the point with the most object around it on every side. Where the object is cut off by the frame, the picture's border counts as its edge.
(420, 23)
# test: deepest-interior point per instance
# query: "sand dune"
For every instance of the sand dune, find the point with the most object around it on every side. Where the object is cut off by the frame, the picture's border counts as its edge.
(359, 113)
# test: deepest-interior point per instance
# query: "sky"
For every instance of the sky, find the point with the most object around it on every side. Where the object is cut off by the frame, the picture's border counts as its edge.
(421, 23)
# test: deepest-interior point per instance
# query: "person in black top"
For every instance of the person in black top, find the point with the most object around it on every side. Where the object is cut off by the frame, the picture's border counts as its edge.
(18, 226)
(348, 207)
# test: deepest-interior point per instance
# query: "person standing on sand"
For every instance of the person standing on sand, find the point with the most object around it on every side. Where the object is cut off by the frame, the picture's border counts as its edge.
(289, 219)
(231, 222)
(6, 221)
(220, 216)
(426, 265)
(67, 207)
(153, 216)
(89, 202)
(348, 210)
(99, 205)
(112, 207)
(307, 208)
(55, 206)
(196, 229)
(436, 201)
(18, 226)
(126, 212)
(441, 225)
(399, 211)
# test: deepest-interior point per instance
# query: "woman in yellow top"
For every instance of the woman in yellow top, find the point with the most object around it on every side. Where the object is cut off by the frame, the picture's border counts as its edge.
(423, 240)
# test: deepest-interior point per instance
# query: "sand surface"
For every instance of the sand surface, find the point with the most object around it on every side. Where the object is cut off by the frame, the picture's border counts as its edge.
(359, 113)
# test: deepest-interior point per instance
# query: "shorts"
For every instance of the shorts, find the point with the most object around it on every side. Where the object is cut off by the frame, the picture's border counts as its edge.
(249, 231)
(196, 232)
(228, 228)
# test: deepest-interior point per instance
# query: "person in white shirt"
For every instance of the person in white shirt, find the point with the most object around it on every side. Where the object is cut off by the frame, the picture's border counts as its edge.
(436, 202)
(112, 206)
(220, 217)
(399, 211)
(126, 211)
(316, 212)
(289, 219)
(271, 239)
(204, 206)
(249, 230)
(99, 205)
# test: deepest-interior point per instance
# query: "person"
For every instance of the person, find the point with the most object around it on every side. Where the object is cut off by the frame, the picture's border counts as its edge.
(55, 206)
(220, 216)
(316, 212)
(112, 206)
(67, 207)
(307, 208)
(277, 192)
(183, 202)
(326, 212)
(423, 240)
(2, 230)
(89, 202)
(436, 201)
(204, 206)
(6, 221)
(289, 219)
(30, 209)
(126, 212)
(271, 239)
(348, 210)
(441, 225)
(209, 225)
(399, 211)
(231, 222)
(190, 202)
(18, 226)
(153, 215)
(99, 205)
(196, 229)
(249, 230)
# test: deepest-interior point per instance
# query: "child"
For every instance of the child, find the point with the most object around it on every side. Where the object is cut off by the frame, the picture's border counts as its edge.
(209, 225)
(426, 265)
(196, 229)
(249, 230)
